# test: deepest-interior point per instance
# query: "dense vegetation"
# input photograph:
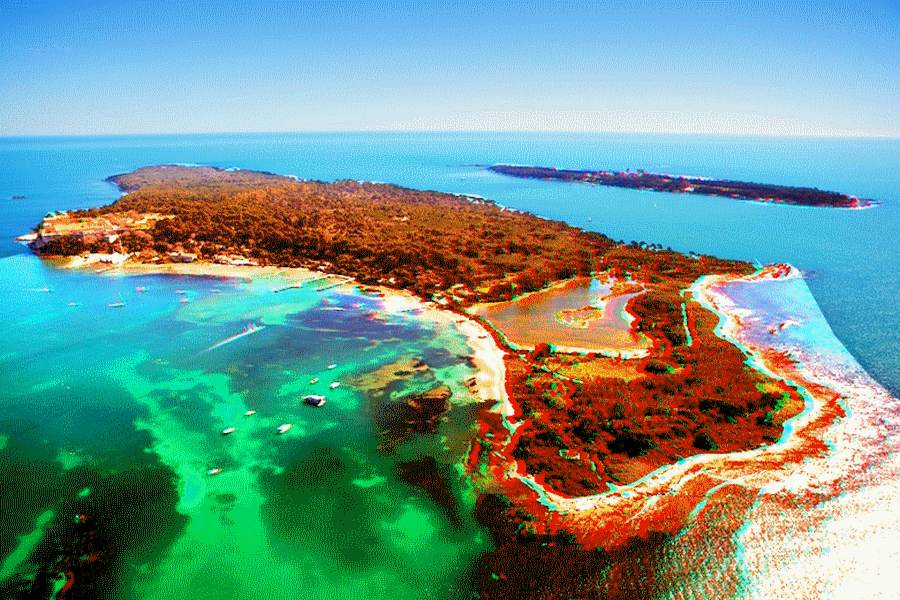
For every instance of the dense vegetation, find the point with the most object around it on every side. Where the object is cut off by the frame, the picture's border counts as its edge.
(583, 428)
(691, 185)
(683, 399)
(584, 421)
(427, 242)
(423, 241)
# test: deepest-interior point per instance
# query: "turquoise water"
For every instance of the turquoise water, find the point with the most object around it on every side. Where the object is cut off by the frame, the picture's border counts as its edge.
(116, 401)
(129, 402)
(850, 256)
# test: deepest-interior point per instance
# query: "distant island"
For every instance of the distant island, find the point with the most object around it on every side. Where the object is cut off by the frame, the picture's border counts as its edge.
(678, 184)
(621, 372)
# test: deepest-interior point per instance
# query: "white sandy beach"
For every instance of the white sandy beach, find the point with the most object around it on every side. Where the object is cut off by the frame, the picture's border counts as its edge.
(486, 355)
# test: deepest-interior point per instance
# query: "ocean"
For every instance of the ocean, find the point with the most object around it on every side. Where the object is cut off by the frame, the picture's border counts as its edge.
(116, 412)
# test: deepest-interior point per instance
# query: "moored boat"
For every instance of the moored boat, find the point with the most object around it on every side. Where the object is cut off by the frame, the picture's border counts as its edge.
(284, 428)
(314, 400)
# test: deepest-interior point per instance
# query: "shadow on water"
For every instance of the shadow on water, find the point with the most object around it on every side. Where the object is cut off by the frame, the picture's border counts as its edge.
(313, 511)
(113, 503)
(326, 510)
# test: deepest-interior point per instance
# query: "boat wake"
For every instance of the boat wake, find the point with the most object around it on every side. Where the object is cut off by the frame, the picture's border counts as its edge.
(251, 328)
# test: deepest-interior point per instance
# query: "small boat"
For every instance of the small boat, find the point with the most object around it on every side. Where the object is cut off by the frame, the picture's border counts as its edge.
(249, 413)
(141, 288)
(184, 300)
(335, 384)
(214, 471)
(331, 367)
(180, 292)
(116, 304)
(314, 400)
(228, 430)
(284, 428)
(314, 380)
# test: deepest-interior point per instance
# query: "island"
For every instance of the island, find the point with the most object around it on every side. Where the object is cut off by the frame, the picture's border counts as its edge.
(680, 184)
(601, 364)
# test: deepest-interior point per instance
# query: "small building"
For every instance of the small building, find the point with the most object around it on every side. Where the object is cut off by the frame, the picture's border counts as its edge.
(184, 257)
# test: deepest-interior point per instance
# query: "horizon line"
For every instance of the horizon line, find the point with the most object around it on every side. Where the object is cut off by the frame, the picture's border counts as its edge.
(848, 135)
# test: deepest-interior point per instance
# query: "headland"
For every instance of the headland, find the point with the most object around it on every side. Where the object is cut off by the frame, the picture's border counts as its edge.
(601, 399)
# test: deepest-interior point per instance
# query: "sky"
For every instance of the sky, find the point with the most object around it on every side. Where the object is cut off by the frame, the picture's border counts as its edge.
(767, 68)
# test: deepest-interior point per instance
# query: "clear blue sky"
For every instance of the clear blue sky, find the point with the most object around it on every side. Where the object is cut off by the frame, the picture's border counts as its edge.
(803, 68)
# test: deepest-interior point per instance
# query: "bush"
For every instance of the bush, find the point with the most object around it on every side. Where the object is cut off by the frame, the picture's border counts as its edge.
(704, 442)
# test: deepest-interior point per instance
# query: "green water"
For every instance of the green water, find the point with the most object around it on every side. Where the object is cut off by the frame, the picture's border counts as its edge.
(130, 402)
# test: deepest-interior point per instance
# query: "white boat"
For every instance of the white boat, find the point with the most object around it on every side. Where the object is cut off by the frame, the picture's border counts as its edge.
(116, 304)
(283, 428)
(314, 380)
(228, 430)
(314, 400)
(249, 413)
(331, 366)
(214, 471)
(335, 384)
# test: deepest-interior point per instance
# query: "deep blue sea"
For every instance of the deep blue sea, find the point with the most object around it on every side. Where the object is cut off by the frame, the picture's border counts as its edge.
(101, 404)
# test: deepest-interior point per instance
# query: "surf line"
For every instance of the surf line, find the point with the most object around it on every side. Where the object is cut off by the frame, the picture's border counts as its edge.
(250, 328)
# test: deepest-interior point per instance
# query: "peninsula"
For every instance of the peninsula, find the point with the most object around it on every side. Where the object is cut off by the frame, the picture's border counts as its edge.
(679, 184)
(633, 388)
(619, 370)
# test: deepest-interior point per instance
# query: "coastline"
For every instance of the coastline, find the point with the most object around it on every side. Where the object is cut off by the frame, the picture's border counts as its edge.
(818, 448)
(486, 354)
(684, 184)
(206, 269)
(813, 455)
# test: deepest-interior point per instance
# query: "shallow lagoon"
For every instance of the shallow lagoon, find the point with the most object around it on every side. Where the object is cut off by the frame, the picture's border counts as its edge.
(575, 316)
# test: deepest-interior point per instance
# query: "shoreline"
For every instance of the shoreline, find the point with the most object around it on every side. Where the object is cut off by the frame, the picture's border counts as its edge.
(762, 193)
(813, 455)
(486, 354)
(200, 269)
